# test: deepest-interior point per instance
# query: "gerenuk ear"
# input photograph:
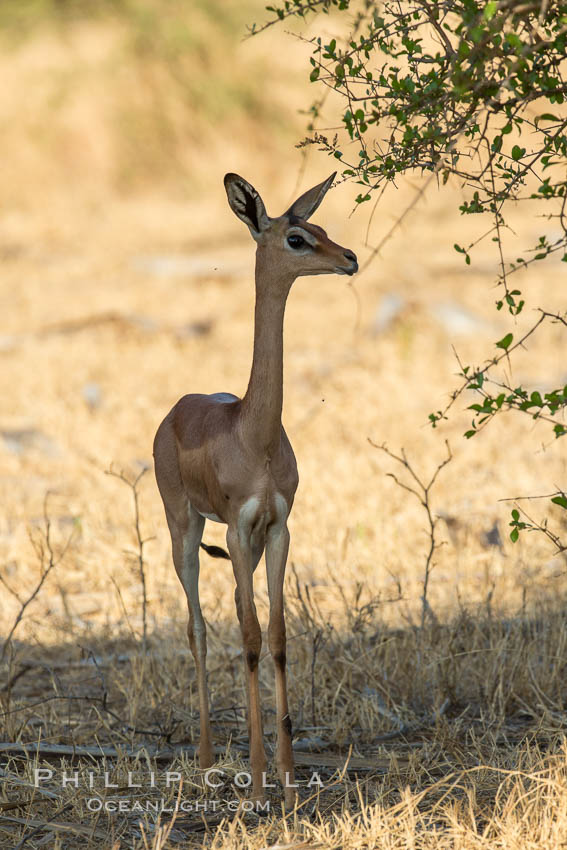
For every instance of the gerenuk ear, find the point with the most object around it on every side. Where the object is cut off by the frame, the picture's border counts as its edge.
(306, 205)
(246, 203)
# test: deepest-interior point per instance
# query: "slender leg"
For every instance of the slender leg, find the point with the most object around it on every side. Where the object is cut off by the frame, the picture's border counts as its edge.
(277, 545)
(244, 561)
(256, 555)
(185, 542)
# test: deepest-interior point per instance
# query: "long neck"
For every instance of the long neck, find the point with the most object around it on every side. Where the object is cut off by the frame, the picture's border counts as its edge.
(262, 404)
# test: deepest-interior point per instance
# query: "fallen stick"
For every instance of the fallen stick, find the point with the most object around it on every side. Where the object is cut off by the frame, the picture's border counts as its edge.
(301, 759)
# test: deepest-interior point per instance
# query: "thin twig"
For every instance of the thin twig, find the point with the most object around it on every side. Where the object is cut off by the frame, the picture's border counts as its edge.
(316, 642)
(557, 492)
(494, 361)
(44, 550)
(422, 494)
(133, 484)
(534, 525)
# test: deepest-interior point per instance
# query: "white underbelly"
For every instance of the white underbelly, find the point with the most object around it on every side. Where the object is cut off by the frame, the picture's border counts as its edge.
(213, 517)
(249, 513)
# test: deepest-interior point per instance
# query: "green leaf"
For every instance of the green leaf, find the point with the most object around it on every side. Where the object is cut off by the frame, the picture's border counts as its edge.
(331, 47)
(476, 34)
(513, 40)
(515, 515)
(514, 534)
(471, 433)
(517, 152)
(505, 342)
(314, 74)
(561, 501)
(490, 10)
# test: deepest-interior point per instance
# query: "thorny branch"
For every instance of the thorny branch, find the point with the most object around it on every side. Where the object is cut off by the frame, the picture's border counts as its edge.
(471, 381)
(559, 497)
(458, 89)
(43, 546)
(141, 542)
(422, 492)
(534, 525)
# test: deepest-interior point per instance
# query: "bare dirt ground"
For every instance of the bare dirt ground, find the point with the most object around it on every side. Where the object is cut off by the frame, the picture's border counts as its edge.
(442, 733)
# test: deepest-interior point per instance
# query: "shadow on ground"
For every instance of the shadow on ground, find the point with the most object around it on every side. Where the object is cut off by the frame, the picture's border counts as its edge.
(446, 713)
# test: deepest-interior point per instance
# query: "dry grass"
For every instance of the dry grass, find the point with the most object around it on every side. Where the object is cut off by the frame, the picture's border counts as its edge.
(114, 304)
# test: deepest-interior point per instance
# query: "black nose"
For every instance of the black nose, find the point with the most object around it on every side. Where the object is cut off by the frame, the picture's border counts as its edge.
(350, 255)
